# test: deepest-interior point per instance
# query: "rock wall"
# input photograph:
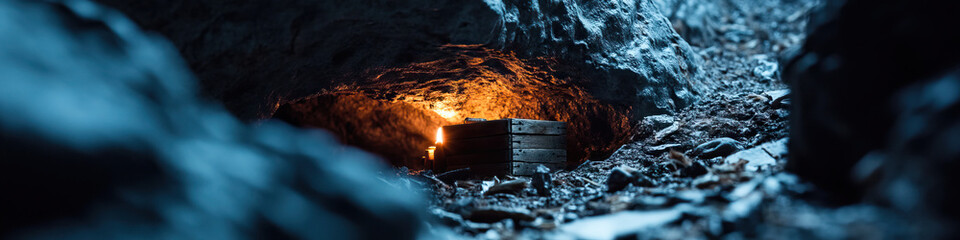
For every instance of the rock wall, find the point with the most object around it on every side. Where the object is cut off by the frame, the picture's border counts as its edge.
(255, 56)
(103, 135)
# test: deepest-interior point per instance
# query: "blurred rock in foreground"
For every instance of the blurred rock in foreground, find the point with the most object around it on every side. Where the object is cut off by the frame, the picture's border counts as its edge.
(102, 136)
(876, 107)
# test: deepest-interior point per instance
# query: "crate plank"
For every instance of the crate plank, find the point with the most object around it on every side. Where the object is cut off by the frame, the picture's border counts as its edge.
(538, 141)
(503, 126)
(493, 156)
(475, 145)
(477, 129)
(508, 155)
(540, 155)
(539, 127)
(499, 142)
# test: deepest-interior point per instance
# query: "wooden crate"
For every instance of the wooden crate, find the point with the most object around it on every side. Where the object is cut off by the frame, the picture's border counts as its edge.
(505, 146)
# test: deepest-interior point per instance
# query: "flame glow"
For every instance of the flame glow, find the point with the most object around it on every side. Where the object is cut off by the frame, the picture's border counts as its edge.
(430, 153)
(445, 113)
(439, 135)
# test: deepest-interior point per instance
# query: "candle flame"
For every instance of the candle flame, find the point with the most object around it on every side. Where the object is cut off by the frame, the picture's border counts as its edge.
(439, 135)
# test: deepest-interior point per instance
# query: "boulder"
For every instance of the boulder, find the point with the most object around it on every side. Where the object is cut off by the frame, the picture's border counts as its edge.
(874, 111)
(103, 135)
(853, 65)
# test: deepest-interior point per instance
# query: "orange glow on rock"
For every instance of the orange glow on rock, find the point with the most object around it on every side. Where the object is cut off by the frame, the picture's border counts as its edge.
(398, 107)
(445, 113)
(439, 135)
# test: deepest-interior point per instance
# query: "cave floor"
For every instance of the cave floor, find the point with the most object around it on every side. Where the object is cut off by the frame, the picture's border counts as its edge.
(661, 185)
(671, 189)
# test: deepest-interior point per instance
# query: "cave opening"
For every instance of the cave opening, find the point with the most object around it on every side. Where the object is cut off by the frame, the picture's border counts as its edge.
(395, 112)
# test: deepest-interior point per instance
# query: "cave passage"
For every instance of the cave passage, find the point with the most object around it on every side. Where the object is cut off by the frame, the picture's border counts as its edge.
(328, 119)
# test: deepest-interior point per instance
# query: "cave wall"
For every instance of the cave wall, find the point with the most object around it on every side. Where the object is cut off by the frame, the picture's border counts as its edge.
(254, 54)
(257, 55)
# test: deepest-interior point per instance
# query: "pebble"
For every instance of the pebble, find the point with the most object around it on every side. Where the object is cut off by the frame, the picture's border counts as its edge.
(644, 181)
(658, 122)
(694, 170)
(779, 98)
(661, 148)
(542, 181)
(755, 157)
(508, 187)
(766, 67)
(720, 147)
(619, 178)
(666, 132)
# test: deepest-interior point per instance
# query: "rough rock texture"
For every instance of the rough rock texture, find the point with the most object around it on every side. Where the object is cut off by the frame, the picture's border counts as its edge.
(102, 136)
(257, 55)
(641, 62)
(253, 55)
(705, 23)
(869, 94)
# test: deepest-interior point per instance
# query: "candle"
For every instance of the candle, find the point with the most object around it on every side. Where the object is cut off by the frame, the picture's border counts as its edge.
(430, 153)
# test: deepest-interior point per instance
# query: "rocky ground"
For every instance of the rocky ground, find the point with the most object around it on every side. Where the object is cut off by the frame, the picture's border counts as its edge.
(712, 170)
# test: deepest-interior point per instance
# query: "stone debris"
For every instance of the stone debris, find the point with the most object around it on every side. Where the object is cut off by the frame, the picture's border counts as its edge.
(508, 187)
(541, 181)
(766, 68)
(720, 147)
(619, 178)
(695, 169)
(496, 214)
(779, 98)
(755, 157)
(658, 122)
(666, 131)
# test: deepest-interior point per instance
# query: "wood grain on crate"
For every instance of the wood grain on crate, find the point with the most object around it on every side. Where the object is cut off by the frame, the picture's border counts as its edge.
(503, 126)
(501, 142)
(511, 155)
